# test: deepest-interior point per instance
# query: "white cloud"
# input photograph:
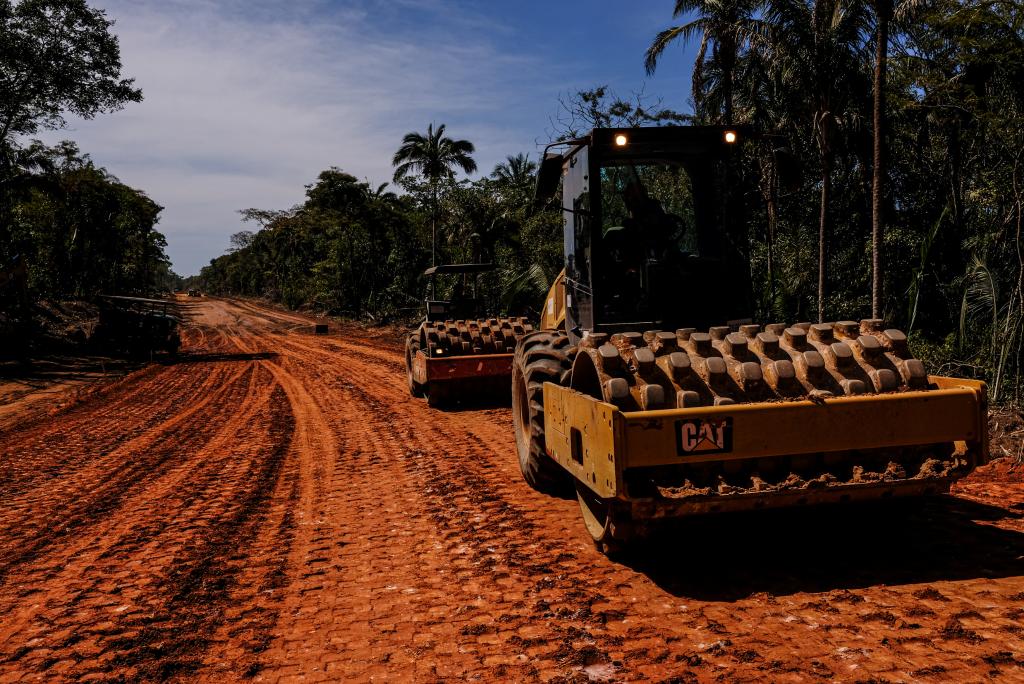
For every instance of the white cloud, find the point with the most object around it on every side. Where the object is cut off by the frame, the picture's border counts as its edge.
(245, 102)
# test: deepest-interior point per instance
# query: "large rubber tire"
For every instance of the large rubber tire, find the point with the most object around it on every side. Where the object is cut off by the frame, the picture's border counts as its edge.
(609, 531)
(412, 345)
(540, 357)
(437, 395)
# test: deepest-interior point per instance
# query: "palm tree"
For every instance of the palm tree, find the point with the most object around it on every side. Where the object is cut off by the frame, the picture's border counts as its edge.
(514, 178)
(885, 12)
(516, 171)
(816, 49)
(769, 108)
(724, 26)
(432, 156)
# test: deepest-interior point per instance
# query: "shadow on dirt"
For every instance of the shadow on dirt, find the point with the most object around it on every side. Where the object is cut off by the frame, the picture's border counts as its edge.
(477, 404)
(43, 372)
(823, 549)
(215, 357)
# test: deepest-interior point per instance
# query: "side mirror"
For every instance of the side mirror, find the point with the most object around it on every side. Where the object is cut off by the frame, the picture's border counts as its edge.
(548, 177)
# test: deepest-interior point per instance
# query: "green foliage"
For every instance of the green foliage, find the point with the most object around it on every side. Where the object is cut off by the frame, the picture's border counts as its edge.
(348, 249)
(432, 155)
(79, 230)
(56, 56)
(954, 134)
(724, 28)
(354, 250)
(68, 229)
(797, 70)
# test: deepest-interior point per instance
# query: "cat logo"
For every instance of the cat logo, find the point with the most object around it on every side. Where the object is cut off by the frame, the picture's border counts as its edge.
(713, 436)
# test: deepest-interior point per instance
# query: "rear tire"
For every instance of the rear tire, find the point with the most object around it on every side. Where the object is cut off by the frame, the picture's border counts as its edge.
(540, 357)
(437, 395)
(412, 345)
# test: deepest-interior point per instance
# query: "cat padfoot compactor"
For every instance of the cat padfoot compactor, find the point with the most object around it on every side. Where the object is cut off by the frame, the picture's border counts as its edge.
(454, 357)
(652, 421)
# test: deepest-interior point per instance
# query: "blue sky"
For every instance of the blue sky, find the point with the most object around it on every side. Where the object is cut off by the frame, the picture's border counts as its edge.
(246, 101)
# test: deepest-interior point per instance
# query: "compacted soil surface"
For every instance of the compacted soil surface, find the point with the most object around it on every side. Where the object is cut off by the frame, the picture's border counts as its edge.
(273, 506)
(52, 382)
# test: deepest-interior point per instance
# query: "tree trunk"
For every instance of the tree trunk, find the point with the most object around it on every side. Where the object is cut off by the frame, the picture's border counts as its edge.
(728, 67)
(433, 232)
(826, 194)
(727, 94)
(882, 10)
(768, 192)
(433, 224)
(773, 220)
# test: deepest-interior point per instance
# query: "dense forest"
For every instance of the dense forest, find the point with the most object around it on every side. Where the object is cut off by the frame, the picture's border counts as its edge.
(78, 230)
(68, 229)
(902, 196)
(906, 124)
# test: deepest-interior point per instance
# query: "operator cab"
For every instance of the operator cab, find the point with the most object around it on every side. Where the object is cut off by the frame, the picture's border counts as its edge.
(462, 303)
(652, 232)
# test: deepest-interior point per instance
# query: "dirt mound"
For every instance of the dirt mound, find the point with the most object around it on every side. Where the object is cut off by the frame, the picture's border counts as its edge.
(54, 327)
(69, 322)
(1005, 469)
(1006, 433)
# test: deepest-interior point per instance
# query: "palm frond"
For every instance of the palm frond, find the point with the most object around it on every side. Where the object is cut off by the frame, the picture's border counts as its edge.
(432, 155)
(658, 45)
(529, 281)
(908, 9)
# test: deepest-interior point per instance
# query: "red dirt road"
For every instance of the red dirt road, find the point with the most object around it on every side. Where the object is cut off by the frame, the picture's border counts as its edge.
(274, 507)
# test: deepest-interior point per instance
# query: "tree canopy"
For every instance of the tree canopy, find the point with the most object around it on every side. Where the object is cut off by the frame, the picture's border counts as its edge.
(68, 229)
(57, 57)
(802, 71)
(432, 155)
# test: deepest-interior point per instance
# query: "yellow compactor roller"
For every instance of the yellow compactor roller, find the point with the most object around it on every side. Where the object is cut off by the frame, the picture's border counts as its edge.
(651, 389)
(456, 354)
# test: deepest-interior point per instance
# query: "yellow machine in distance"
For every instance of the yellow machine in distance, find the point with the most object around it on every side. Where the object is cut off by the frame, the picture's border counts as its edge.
(652, 420)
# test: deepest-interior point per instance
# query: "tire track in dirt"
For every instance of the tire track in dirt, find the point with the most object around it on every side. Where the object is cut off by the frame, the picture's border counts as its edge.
(172, 639)
(49, 450)
(151, 635)
(455, 495)
(131, 405)
(271, 316)
(256, 599)
(341, 352)
(317, 523)
(489, 539)
(92, 492)
(708, 644)
(235, 484)
(307, 515)
(363, 495)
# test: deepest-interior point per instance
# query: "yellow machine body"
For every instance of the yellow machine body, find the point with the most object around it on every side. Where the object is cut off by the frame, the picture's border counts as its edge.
(608, 449)
(553, 316)
(653, 387)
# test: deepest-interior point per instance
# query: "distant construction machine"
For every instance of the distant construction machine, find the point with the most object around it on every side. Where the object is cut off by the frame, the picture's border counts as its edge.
(137, 326)
(652, 420)
(455, 354)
